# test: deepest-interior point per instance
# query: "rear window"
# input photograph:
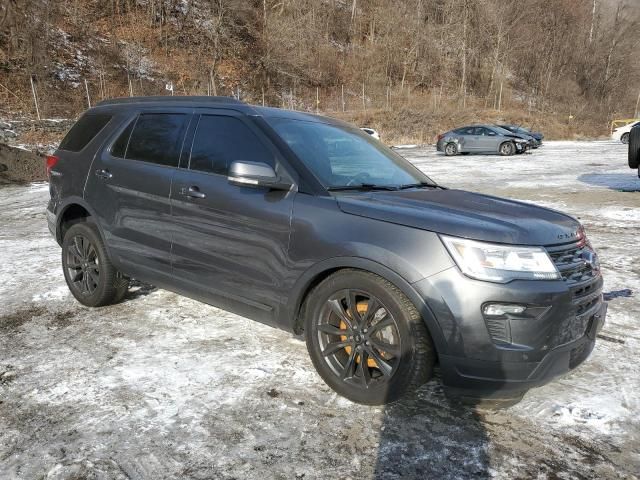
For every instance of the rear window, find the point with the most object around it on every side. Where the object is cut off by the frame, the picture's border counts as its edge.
(84, 131)
(157, 138)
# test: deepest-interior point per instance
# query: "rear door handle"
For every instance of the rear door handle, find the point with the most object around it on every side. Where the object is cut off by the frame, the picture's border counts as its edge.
(103, 173)
(193, 192)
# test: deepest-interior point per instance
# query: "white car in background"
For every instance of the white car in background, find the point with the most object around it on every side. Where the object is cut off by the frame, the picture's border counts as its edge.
(371, 132)
(621, 134)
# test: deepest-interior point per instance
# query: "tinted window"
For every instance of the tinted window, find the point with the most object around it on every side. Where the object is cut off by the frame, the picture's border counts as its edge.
(83, 131)
(157, 138)
(119, 147)
(220, 140)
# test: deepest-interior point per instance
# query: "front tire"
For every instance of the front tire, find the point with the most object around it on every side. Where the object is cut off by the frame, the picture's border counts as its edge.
(90, 275)
(625, 138)
(366, 339)
(507, 149)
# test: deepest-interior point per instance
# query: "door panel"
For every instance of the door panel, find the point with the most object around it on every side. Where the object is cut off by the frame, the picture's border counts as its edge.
(229, 242)
(466, 140)
(486, 142)
(131, 200)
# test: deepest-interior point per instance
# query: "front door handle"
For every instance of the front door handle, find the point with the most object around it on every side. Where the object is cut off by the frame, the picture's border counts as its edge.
(193, 192)
(103, 173)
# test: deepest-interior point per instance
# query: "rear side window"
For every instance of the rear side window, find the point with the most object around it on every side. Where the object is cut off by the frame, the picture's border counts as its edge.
(156, 138)
(119, 147)
(220, 140)
(84, 131)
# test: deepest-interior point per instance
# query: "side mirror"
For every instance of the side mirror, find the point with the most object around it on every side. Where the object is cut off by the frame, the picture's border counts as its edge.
(256, 175)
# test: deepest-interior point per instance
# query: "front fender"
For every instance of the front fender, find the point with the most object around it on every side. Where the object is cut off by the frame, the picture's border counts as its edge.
(324, 268)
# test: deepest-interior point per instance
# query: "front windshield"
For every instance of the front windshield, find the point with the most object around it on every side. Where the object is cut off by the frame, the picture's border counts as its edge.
(503, 131)
(342, 157)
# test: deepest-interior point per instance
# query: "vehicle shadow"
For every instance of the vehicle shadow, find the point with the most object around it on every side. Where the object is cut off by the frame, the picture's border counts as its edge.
(624, 293)
(427, 435)
(138, 289)
(614, 181)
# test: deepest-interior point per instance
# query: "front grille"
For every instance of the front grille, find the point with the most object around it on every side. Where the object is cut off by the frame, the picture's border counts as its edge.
(571, 262)
(576, 263)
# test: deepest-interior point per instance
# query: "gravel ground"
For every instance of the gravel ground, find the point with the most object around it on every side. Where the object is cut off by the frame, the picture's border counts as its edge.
(164, 387)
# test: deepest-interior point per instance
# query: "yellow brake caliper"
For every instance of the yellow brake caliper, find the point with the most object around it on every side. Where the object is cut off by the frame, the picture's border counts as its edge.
(362, 309)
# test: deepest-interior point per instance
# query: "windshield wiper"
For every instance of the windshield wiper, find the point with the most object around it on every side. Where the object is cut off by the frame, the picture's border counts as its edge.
(362, 187)
(419, 185)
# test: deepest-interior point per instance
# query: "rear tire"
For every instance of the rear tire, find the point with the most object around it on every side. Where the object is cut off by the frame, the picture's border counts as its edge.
(380, 356)
(450, 149)
(633, 155)
(90, 275)
(507, 149)
(625, 138)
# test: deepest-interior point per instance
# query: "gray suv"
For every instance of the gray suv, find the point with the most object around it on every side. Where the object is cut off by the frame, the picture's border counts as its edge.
(310, 225)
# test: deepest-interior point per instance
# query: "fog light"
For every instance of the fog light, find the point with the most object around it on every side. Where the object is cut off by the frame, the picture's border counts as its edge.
(499, 309)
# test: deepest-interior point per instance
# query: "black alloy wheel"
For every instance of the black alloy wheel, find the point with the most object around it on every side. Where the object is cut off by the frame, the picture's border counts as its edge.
(87, 268)
(359, 338)
(83, 265)
(365, 337)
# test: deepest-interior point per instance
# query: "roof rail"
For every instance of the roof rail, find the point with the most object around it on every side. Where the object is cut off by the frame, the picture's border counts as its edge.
(167, 98)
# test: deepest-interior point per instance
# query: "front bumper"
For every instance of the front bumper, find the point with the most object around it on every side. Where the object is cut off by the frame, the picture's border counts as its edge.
(501, 360)
(506, 380)
(521, 147)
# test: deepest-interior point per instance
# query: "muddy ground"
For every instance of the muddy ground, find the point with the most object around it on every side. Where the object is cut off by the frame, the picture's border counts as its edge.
(164, 387)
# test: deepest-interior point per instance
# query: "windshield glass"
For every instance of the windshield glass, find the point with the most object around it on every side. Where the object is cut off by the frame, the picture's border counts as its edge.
(347, 157)
(502, 131)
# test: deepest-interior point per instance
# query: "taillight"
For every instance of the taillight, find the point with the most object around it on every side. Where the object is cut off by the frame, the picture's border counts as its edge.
(440, 136)
(50, 162)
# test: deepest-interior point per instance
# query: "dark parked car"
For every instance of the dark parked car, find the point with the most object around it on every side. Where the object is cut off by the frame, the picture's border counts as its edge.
(481, 139)
(537, 136)
(634, 148)
(311, 225)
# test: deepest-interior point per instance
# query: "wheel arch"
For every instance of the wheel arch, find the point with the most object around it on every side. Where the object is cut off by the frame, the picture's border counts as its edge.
(74, 208)
(316, 274)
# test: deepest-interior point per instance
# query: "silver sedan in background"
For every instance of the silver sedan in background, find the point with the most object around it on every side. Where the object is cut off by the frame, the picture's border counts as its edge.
(481, 139)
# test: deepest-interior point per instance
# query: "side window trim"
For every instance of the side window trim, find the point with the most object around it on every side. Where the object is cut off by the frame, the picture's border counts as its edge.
(131, 120)
(133, 127)
(187, 141)
(193, 140)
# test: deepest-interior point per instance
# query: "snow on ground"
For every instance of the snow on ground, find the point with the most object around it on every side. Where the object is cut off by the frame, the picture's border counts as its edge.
(164, 387)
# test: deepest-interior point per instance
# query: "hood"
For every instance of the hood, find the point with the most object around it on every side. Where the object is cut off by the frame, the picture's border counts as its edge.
(521, 136)
(465, 214)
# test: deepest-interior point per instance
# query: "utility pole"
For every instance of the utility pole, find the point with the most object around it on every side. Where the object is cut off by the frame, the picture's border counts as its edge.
(86, 87)
(35, 97)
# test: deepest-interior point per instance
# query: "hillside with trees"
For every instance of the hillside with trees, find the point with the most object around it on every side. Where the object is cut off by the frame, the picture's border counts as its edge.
(410, 68)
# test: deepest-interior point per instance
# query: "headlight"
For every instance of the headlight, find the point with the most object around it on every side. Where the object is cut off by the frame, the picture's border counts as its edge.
(521, 140)
(500, 263)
